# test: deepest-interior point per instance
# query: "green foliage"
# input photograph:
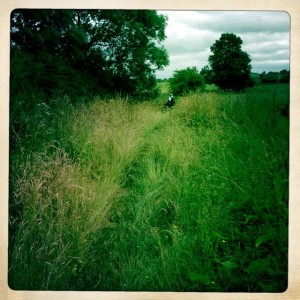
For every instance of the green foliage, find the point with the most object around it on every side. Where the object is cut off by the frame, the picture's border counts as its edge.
(207, 74)
(87, 50)
(185, 81)
(113, 195)
(230, 65)
(202, 278)
(275, 77)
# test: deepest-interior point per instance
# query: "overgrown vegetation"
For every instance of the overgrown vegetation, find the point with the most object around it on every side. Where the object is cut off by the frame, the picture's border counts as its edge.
(113, 195)
(186, 81)
(87, 51)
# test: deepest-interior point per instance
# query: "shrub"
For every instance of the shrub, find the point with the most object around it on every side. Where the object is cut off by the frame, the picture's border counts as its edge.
(186, 80)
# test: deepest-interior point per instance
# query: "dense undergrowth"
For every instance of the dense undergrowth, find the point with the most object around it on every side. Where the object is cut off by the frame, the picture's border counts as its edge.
(113, 195)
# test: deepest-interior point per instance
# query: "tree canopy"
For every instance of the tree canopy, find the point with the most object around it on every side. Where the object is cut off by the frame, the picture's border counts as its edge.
(186, 80)
(207, 74)
(229, 64)
(117, 50)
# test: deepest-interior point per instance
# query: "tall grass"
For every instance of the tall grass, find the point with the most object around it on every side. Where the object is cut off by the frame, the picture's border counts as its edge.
(122, 196)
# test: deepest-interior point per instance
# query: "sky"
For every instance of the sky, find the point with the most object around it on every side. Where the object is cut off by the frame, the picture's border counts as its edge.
(190, 34)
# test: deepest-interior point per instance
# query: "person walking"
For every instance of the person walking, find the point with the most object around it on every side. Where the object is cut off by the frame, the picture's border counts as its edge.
(171, 101)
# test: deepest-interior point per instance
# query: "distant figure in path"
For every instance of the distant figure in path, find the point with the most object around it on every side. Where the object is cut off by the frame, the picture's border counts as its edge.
(171, 101)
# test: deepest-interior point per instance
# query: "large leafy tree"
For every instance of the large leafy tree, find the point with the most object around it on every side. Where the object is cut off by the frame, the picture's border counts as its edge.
(229, 64)
(112, 49)
(207, 74)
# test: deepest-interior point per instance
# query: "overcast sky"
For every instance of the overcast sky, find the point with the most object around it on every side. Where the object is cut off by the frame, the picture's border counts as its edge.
(190, 34)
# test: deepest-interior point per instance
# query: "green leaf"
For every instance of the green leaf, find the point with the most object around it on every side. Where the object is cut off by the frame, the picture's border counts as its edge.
(249, 218)
(263, 239)
(218, 235)
(203, 278)
(258, 266)
(229, 265)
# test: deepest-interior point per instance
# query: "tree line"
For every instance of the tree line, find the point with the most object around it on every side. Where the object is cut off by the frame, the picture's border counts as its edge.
(83, 51)
(229, 68)
(274, 77)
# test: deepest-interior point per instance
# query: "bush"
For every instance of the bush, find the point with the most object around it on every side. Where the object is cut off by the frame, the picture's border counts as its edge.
(186, 80)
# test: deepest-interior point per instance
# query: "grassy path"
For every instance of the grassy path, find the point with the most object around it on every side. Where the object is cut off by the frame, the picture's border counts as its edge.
(162, 219)
(137, 198)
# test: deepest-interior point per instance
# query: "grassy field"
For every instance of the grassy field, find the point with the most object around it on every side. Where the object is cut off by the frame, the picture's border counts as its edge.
(114, 195)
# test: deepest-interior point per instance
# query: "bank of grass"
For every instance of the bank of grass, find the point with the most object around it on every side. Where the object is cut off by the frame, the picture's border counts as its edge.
(122, 196)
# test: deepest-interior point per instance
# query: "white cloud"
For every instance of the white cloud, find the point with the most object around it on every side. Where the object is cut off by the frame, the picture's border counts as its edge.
(190, 34)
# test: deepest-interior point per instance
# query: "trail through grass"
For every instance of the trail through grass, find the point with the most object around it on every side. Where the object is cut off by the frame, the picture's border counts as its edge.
(129, 196)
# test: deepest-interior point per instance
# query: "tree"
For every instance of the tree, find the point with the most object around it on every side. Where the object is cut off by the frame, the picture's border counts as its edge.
(230, 65)
(207, 74)
(117, 50)
(284, 76)
(186, 80)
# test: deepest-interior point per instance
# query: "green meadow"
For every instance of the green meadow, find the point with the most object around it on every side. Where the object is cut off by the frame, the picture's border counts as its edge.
(115, 195)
